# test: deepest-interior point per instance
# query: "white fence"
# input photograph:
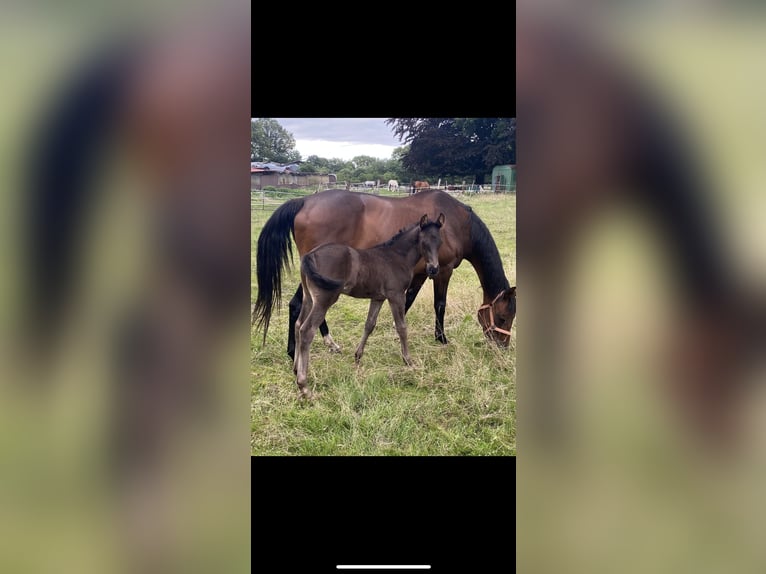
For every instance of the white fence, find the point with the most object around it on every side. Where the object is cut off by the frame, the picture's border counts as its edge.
(407, 189)
(266, 200)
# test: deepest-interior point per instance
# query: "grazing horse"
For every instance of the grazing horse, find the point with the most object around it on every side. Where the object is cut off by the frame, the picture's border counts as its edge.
(631, 150)
(161, 349)
(393, 185)
(419, 186)
(380, 273)
(362, 221)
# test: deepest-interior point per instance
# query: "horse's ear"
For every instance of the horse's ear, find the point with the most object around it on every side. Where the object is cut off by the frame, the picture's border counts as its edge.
(424, 220)
(440, 220)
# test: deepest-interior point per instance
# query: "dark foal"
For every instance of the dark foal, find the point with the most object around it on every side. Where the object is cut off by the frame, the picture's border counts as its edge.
(381, 273)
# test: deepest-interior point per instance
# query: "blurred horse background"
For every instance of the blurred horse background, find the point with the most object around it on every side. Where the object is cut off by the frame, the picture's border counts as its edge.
(641, 252)
(126, 203)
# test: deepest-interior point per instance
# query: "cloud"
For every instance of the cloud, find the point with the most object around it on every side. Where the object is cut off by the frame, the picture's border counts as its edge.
(342, 138)
(352, 130)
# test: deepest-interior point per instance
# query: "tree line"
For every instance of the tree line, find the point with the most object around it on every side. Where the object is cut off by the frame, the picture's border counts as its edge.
(453, 149)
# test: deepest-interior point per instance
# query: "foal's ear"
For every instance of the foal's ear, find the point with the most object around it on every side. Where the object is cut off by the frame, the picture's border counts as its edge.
(424, 220)
(440, 220)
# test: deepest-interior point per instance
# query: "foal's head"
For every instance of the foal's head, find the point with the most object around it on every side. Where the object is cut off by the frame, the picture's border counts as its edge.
(429, 241)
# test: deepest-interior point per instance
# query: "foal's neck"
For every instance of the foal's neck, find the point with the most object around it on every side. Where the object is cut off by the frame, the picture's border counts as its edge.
(404, 245)
(407, 246)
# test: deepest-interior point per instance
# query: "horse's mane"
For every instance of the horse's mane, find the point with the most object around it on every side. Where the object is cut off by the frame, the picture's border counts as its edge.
(484, 253)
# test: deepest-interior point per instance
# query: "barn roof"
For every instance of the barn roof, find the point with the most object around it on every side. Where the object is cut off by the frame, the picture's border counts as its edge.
(260, 167)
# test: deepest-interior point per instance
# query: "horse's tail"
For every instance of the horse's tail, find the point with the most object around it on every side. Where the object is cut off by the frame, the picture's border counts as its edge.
(674, 189)
(274, 247)
(308, 267)
(67, 148)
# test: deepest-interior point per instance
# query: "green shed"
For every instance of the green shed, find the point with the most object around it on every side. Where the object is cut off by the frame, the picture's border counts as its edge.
(504, 178)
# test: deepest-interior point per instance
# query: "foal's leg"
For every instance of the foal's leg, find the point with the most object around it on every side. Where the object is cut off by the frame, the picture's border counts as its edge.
(369, 325)
(321, 302)
(397, 310)
(306, 307)
(304, 338)
(441, 282)
(295, 309)
(412, 291)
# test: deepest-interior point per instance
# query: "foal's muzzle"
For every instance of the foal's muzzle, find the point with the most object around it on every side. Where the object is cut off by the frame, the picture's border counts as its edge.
(432, 270)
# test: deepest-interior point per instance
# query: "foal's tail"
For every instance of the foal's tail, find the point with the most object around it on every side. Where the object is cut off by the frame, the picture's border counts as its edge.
(308, 267)
(274, 247)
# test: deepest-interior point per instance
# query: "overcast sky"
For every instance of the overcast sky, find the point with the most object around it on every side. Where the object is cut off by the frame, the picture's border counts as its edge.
(342, 138)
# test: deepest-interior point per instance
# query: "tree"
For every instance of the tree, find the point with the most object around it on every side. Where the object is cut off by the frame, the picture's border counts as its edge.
(314, 164)
(455, 147)
(360, 168)
(269, 141)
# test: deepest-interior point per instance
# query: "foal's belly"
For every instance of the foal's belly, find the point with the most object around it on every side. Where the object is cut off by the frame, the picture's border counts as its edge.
(366, 282)
(364, 292)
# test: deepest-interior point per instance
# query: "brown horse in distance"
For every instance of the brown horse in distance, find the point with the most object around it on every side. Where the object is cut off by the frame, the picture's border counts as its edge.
(380, 274)
(362, 221)
(419, 186)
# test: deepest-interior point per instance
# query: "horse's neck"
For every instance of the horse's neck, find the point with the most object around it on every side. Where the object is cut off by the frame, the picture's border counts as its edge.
(406, 248)
(413, 256)
(409, 249)
(491, 277)
(487, 263)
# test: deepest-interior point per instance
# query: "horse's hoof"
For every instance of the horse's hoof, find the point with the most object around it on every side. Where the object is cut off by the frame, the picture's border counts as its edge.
(306, 394)
(332, 345)
(442, 339)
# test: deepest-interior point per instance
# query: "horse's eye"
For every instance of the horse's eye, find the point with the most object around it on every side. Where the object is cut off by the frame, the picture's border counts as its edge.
(500, 321)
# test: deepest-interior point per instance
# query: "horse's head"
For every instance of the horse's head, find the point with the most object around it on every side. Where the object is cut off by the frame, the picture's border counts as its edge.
(496, 318)
(429, 241)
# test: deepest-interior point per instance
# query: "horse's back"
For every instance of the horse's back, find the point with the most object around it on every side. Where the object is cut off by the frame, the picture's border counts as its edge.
(363, 220)
(319, 206)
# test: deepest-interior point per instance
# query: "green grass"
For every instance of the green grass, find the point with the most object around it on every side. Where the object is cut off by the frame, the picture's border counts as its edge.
(458, 399)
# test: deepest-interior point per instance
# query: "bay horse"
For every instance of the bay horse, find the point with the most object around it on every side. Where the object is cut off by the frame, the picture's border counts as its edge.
(381, 273)
(419, 186)
(124, 106)
(630, 150)
(362, 221)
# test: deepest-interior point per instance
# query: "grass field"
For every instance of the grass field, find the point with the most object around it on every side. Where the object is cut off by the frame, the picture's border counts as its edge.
(458, 399)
